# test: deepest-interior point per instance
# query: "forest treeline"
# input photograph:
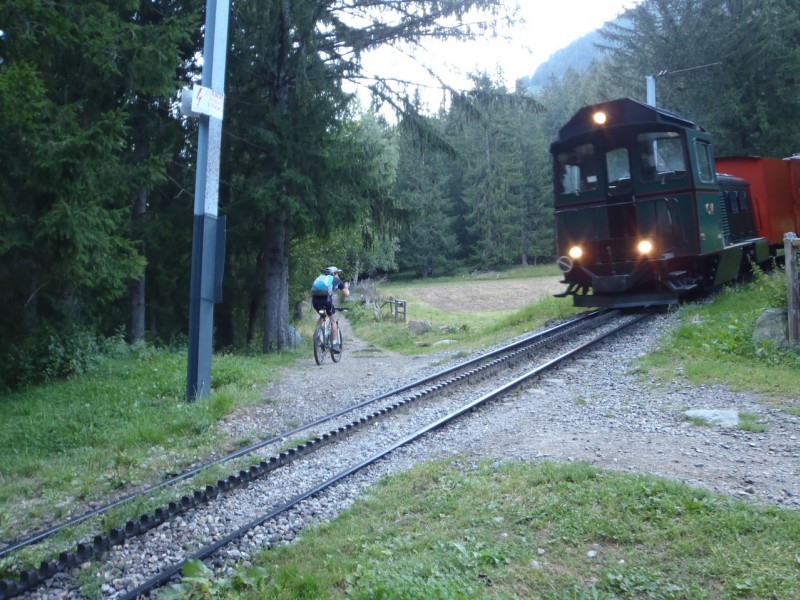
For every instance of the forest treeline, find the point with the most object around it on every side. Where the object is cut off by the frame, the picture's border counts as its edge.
(97, 166)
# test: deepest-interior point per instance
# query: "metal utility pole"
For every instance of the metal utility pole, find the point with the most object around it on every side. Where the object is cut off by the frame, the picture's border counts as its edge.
(208, 236)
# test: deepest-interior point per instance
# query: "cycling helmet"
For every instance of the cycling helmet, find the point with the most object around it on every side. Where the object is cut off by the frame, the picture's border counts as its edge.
(331, 271)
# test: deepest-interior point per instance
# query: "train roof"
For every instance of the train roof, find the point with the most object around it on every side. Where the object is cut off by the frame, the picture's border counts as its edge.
(622, 112)
(728, 179)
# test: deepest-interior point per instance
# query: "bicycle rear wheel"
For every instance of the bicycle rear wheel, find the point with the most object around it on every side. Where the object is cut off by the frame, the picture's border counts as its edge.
(319, 344)
(337, 356)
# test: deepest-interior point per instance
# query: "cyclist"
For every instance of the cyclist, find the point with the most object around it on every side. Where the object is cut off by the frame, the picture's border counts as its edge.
(334, 283)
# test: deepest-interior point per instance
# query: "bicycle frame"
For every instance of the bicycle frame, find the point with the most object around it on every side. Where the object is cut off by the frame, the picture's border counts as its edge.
(323, 342)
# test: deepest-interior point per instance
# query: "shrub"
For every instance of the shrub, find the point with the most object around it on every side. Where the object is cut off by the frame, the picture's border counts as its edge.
(361, 312)
(49, 355)
(771, 285)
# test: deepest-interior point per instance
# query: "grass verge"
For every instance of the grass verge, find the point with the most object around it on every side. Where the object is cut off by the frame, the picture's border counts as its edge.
(125, 423)
(712, 345)
(452, 530)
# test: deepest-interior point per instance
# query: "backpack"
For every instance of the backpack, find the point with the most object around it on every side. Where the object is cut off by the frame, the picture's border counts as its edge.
(322, 286)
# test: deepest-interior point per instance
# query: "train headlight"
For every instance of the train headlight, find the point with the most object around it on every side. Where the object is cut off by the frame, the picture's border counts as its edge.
(575, 252)
(599, 117)
(645, 247)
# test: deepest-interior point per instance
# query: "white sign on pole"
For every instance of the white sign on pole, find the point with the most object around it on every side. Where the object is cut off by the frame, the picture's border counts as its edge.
(207, 102)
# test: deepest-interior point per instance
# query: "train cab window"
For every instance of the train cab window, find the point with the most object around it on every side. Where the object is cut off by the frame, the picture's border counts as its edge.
(661, 156)
(705, 162)
(736, 201)
(618, 168)
(744, 201)
(576, 170)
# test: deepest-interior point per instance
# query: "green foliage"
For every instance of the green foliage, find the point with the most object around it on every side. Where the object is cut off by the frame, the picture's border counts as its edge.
(309, 182)
(123, 422)
(748, 49)
(198, 581)
(494, 187)
(731, 319)
(87, 89)
(482, 195)
(541, 312)
(376, 323)
(428, 246)
(48, 356)
(713, 342)
(751, 422)
(362, 313)
(446, 580)
(74, 76)
(770, 286)
(508, 209)
(639, 583)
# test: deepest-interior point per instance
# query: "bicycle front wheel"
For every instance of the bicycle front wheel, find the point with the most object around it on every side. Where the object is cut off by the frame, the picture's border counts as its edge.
(319, 344)
(337, 356)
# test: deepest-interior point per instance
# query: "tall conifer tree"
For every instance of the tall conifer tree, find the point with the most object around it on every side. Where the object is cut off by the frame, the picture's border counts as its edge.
(74, 73)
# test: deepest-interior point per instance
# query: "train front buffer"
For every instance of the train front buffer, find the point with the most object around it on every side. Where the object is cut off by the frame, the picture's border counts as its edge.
(638, 270)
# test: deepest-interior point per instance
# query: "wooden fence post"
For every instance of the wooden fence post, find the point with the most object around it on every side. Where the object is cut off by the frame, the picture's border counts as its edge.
(400, 309)
(790, 243)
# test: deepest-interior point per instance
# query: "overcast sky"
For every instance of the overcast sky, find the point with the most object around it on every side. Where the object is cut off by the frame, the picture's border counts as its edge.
(549, 26)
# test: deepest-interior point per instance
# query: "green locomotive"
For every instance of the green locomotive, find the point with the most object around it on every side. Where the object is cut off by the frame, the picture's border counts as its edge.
(644, 219)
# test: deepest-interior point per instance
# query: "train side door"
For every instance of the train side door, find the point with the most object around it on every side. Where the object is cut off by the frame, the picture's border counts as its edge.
(708, 199)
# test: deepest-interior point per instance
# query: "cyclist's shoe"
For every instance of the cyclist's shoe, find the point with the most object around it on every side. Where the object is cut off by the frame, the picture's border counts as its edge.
(336, 348)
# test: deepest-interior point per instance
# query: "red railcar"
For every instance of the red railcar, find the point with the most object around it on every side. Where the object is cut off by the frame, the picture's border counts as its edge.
(775, 190)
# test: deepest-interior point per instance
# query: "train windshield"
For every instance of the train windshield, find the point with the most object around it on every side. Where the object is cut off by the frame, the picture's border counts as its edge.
(576, 170)
(618, 170)
(661, 156)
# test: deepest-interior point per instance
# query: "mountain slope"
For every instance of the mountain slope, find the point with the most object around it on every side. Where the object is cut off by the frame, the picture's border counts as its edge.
(578, 55)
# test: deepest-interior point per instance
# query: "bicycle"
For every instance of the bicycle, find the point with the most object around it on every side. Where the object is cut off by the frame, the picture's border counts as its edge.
(323, 342)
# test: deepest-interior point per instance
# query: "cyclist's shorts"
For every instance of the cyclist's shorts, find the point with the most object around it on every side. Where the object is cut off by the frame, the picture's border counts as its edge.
(320, 302)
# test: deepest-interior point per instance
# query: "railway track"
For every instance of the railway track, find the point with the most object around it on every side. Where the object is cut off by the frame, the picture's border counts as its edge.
(275, 485)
